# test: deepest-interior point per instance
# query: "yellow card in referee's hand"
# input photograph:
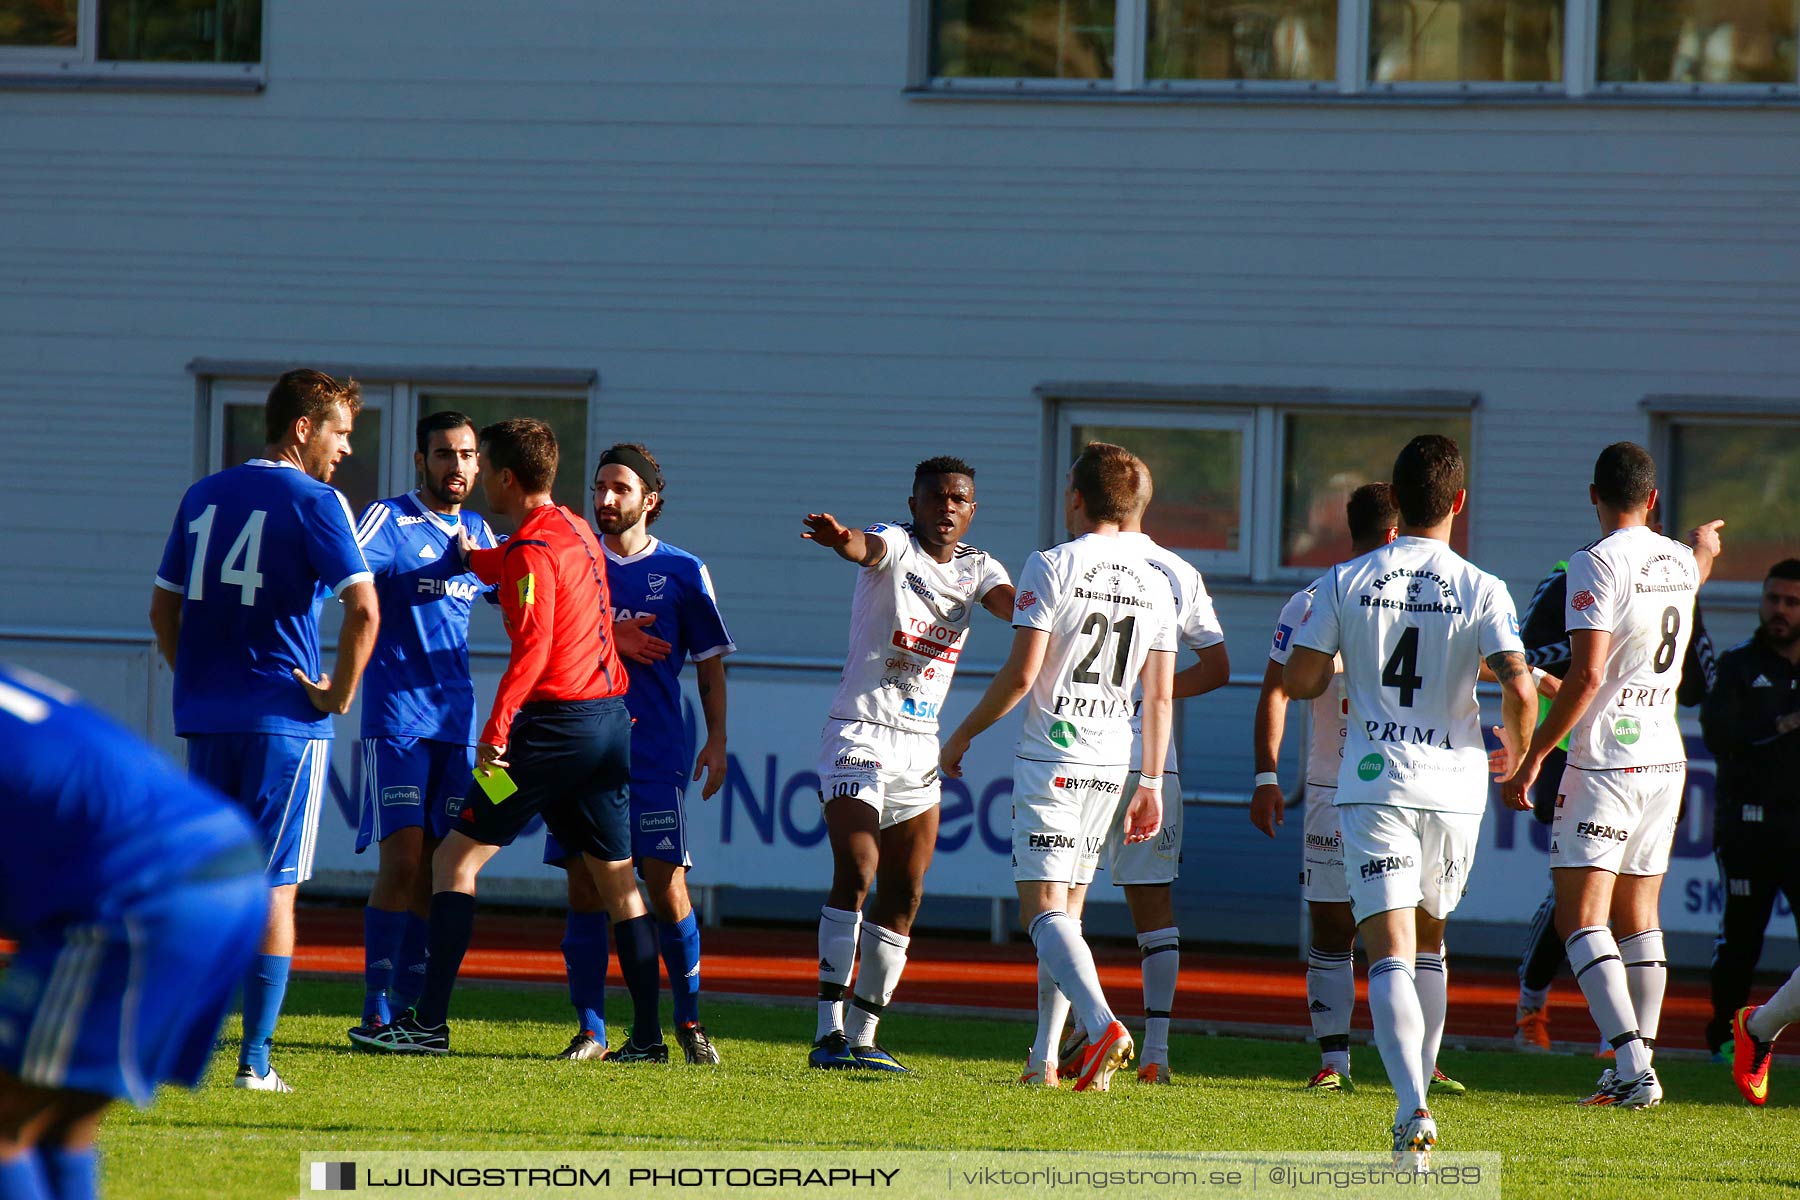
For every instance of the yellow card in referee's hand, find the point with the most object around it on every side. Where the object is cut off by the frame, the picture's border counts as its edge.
(496, 783)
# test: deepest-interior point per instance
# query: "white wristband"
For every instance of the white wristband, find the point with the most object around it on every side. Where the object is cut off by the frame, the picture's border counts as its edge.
(1267, 779)
(1150, 783)
(1537, 674)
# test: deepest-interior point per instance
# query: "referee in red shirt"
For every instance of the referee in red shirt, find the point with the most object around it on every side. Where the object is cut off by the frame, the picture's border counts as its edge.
(558, 725)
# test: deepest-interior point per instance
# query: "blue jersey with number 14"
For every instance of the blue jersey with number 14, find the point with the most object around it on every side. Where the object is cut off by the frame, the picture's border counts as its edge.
(671, 585)
(254, 551)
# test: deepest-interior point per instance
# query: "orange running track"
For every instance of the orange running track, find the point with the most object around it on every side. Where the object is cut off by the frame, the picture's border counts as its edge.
(1224, 989)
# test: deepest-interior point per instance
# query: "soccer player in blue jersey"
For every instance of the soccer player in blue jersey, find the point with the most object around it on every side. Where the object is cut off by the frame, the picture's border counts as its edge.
(253, 553)
(418, 710)
(650, 578)
(137, 898)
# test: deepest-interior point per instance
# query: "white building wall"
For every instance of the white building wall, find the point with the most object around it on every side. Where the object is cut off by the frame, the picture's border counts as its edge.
(794, 279)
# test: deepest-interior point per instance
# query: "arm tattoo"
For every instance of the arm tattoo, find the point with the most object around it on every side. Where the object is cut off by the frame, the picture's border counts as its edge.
(1507, 665)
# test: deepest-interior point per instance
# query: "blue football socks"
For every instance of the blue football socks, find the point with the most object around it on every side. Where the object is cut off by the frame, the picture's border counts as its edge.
(383, 932)
(681, 956)
(265, 987)
(584, 948)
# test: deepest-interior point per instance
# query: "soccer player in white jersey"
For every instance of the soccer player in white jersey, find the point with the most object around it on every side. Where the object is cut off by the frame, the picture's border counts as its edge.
(1330, 960)
(1629, 613)
(1145, 870)
(878, 775)
(1091, 617)
(1412, 622)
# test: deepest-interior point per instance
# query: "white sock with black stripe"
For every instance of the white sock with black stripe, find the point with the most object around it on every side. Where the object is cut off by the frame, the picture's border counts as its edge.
(1600, 971)
(1647, 976)
(1399, 1031)
(1431, 977)
(1161, 967)
(1330, 1000)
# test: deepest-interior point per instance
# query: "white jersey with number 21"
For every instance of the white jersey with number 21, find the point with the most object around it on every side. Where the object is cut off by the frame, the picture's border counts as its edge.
(1412, 622)
(1105, 608)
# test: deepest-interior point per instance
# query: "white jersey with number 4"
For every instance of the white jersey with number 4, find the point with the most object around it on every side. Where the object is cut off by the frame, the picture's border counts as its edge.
(1330, 708)
(1105, 608)
(908, 627)
(1638, 586)
(1196, 623)
(1412, 622)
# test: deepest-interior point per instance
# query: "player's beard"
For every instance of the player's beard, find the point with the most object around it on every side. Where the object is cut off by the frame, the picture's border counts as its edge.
(439, 489)
(1783, 635)
(617, 522)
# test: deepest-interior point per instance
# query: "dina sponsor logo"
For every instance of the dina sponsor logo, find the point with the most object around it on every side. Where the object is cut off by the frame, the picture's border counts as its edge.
(1369, 769)
(1628, 730)
(1064, 734)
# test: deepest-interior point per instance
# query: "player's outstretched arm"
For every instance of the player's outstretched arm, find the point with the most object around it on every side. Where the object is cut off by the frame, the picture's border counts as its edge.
(165, 620)
(1017, 674)
(709, 677)
(1268, 803)
(1144, 813)
(851, 545)
(1307, 673)
(1210, 672)
(1705, 541)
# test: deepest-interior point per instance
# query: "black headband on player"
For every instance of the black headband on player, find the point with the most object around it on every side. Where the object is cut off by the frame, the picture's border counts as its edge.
(625, 456)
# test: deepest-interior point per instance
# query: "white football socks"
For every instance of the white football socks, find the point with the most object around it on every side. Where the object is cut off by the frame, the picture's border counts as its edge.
(1053, 1014)
(1431, 979)
(1594, 956)
(837, 957)
(1057, 937)
(1161, 950)
(1647, 977)
(1399, 1032)
(883, 959)
(1330, 1001)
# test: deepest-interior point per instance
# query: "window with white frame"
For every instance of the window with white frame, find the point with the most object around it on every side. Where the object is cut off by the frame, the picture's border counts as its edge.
(63, 35)
(1253, 485)
(382, 441)
(1653, 48)
(1735, 460)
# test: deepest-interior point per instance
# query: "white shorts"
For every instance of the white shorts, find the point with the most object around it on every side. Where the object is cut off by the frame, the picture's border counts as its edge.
(1621, 821)
(1060, 813)
(1406, 857)
(1157, 861)
(1322, 861)
(892, 771)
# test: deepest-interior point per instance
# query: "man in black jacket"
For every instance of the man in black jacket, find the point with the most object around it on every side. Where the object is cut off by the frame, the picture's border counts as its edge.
(1749, 720)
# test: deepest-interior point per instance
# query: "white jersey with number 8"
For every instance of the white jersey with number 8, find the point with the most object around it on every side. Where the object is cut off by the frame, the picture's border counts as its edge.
(1638, 586)
(1105, 608)
(1412, 622)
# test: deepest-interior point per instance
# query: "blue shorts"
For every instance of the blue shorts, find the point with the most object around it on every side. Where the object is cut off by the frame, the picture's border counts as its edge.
(279, 782)
(571, 760)
(658, 826)
(120, 1005)
(412, 783)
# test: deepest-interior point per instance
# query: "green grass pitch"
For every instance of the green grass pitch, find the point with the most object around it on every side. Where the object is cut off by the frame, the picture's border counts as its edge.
(501, 1090)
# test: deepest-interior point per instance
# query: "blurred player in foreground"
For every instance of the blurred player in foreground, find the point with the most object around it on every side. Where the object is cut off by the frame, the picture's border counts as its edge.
(137, 898)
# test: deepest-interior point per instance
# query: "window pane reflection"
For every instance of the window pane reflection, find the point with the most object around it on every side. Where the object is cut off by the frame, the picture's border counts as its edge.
(1328, 457)
(1198, 478)
(1030, 39)
(1242, 39)
(1698, 41)
(1474, 41)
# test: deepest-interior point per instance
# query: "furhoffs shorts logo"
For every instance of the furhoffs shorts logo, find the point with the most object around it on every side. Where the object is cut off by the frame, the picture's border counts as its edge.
(334, 1177)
